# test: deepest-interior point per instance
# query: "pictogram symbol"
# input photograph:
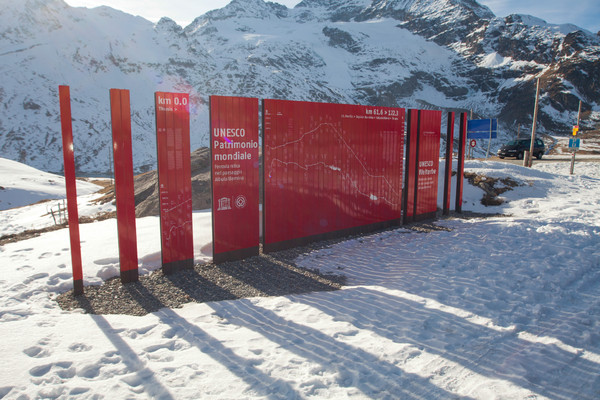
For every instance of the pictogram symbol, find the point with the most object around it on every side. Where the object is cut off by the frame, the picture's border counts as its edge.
(224, 204)
(240, 201)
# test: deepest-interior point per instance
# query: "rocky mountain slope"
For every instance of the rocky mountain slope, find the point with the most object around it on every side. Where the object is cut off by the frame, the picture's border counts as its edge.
(444, 54)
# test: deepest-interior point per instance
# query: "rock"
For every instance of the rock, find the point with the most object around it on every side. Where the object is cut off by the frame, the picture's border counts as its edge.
(146, 187)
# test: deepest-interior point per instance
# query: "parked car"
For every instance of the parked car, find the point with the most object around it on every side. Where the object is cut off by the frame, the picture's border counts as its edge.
(516, 148)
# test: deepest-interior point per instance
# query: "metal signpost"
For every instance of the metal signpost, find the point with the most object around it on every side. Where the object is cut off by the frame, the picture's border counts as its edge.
(574, 143)
(529, 158)
(483, 129)
(573, 147)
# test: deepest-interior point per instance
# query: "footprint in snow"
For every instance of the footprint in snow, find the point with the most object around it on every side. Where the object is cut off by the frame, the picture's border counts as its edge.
(35, 277)
(79, 347)
(64, 370)
(37, 352)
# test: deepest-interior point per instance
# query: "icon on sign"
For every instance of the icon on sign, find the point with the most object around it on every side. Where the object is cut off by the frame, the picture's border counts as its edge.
(224, 204)
(240, 201)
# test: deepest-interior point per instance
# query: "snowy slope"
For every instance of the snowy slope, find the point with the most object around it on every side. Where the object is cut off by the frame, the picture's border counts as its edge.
(451, 54)
(503, 307)
(23, 185)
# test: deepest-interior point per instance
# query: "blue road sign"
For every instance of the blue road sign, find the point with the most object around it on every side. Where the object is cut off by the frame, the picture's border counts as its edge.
(480, 128)
(574, 143)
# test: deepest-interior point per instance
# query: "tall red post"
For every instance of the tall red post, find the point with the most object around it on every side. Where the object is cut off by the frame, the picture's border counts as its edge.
(123, 160)
(70, 183)
(412, 123)
(460, 173)
(448, 175)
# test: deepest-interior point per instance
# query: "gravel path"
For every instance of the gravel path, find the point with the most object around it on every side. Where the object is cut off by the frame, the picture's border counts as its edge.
(265, 275)
(273, 274)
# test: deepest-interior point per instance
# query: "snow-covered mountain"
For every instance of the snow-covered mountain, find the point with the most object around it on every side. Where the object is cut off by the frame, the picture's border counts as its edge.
(445, 54)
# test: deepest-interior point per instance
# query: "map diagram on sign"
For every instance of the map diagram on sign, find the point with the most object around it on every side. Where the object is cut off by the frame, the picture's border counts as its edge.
(365, 163)
(346, 159)
(366, 181)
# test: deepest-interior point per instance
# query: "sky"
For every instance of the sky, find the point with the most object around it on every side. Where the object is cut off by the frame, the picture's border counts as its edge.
(584, 13)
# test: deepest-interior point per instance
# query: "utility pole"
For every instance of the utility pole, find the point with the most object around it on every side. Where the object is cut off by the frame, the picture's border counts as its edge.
(574, 150)
(469, 148)
(489, 141)
(535, 112)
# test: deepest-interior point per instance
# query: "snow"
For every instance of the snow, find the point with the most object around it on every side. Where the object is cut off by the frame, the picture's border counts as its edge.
(494, 60)
(503, 307)
(22, 185)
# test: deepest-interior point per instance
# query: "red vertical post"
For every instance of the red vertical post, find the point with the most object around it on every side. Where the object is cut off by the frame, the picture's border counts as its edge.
(124, 193)
(411, 165)
(70, 182)
(460, 173)
(418, 145)
(448, 175)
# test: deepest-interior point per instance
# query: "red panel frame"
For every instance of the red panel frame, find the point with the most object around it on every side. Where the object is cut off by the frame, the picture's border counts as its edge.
(175, 181)
(326, 172)
(411, 165)
(448, 174)
(235, 177)
(460, 173)
(123, 162)
(71, 187)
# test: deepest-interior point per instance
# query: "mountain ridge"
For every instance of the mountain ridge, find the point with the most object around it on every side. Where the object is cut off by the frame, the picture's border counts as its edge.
(450, 55)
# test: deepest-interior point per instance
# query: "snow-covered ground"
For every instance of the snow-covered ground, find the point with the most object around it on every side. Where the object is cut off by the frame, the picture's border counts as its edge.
(503, 307)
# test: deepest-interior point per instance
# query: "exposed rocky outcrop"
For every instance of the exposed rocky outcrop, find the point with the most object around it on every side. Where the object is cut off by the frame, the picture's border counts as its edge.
(146, 187)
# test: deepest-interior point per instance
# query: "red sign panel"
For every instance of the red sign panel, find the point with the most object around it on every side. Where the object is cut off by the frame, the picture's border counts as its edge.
(329, 169)
(428, 163)
(121, 132)
(175, 180)
(235, 177)
(69, 163)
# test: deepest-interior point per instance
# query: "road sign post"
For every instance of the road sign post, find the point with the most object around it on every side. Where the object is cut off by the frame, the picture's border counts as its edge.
(535, 113)
(574, 143)
(573, 147)
(483, 129)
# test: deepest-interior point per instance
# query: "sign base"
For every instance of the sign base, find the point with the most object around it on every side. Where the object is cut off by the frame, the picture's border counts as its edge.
(235, 255)
(129, 276)
(78, 287)
(176, 266)
(303, 241)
